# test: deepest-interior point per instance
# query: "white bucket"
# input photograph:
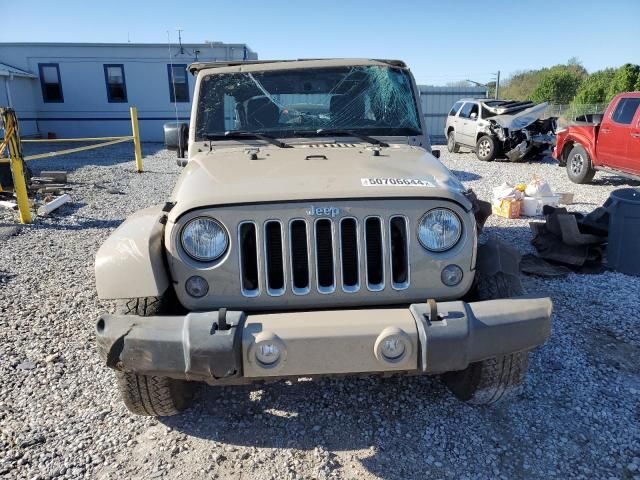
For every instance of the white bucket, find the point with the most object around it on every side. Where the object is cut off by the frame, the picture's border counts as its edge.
(532, 206)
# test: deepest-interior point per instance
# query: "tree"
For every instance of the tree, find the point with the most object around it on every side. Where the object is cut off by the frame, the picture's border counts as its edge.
(625, 80)
(522, 85)
(595, 88)
(558, 85)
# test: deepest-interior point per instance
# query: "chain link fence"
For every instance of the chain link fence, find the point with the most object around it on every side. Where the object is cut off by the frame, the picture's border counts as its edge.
(568, 113)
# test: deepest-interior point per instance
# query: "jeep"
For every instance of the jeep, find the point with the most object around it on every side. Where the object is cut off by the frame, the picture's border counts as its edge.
(313, 232)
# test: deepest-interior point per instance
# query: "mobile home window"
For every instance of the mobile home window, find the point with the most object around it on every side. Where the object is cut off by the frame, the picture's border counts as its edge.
(178, 83)
(116, 86)
(50, 81)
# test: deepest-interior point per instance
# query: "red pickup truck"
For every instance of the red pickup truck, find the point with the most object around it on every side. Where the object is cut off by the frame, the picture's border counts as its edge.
(608, 142)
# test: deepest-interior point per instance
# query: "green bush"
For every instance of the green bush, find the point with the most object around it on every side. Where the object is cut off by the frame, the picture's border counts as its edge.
(595, 88)
(558, 85)
(625, 79)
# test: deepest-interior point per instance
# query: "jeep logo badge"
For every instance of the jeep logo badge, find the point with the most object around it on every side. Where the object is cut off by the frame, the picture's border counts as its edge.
(323, 211)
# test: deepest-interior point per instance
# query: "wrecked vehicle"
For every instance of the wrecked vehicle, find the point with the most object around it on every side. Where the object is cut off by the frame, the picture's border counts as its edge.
(312, 232)
(493, 128)
(609, 142)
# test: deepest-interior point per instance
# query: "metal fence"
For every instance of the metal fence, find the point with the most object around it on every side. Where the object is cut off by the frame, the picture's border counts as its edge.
(570, 112)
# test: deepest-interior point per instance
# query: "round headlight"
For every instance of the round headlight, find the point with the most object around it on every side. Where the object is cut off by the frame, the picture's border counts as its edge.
(439, 230)
(204, 239)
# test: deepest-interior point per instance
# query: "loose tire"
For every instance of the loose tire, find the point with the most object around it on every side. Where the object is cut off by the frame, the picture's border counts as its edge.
(494, 379)
(151, 395)
(489, 381)
(500, 285)
(486, 148)
(579, 166)
(452, 146)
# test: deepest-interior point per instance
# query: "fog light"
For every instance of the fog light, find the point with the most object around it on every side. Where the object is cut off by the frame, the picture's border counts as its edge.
(267, 353)
(196, 286)
(393, 345)
(392, 348)
(451, 275)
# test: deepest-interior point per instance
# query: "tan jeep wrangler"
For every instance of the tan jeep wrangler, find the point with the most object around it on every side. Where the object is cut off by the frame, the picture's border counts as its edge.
(312, 232)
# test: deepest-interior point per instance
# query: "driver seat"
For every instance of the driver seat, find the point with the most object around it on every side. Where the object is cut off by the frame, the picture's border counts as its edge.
(262, 113)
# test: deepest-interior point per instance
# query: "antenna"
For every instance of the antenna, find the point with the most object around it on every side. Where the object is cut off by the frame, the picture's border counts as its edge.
(180, 30)
(173, 83)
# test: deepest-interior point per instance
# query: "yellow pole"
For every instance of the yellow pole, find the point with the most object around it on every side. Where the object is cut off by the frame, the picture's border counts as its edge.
(16, 162)
(136, 138)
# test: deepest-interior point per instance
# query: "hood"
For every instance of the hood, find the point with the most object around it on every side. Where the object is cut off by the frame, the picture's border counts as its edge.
(520, 120)
(337, 171)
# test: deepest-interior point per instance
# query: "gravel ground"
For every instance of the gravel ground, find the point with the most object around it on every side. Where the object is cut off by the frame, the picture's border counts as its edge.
(60, 416)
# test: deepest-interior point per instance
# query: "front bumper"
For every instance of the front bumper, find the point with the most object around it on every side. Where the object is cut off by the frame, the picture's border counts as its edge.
(220, 346)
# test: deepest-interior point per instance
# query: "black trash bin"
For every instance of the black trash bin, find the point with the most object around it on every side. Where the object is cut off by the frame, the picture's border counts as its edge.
(623, 251)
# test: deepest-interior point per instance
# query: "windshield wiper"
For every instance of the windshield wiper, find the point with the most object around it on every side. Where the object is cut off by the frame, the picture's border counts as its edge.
(246, 134)
(351, 133)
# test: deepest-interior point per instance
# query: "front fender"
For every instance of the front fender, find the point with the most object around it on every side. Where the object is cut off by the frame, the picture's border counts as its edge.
(130, 263)
(584, 138)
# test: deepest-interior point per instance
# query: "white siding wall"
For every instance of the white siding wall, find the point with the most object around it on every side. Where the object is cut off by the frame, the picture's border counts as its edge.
(23, 96)
(86, 110)
(436, 103)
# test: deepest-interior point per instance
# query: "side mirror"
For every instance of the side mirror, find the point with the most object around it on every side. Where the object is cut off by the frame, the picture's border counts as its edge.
(473, 116)
(435, 153)
(176, 137)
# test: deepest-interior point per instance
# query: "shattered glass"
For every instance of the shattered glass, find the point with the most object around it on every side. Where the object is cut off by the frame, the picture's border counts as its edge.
(372, 100)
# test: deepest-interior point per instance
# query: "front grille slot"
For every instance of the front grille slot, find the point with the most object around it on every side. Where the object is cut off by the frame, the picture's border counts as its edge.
(299, 252)
(324, 256)
(274, 257)
(349, 253)
(399, 242)
(248, 246)
(374, 253)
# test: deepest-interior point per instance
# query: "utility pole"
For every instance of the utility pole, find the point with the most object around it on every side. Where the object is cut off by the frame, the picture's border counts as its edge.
(497, 91)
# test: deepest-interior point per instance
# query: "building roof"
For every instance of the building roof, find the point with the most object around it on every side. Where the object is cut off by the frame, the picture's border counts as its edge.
(124, 44)
(9, 71)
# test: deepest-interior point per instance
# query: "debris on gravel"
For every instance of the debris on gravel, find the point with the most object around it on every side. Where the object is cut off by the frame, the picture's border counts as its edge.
(60, 417)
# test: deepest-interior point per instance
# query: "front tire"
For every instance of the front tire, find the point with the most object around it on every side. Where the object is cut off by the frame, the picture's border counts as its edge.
(486, 148)
(579, 167)
(499, 378)
(452, 146)
(152, 395)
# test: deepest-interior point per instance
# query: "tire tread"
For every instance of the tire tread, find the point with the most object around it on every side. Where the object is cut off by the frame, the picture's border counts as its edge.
(151, 395)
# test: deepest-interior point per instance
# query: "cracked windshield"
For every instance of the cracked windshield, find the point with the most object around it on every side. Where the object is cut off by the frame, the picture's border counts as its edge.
(367, 100)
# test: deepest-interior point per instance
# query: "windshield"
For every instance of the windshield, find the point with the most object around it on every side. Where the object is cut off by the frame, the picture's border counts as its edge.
(369, 100)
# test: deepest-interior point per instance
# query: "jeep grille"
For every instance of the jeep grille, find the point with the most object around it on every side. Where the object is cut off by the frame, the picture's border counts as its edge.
(323, 254)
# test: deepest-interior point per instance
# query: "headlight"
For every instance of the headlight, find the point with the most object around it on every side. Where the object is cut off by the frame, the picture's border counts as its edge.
(204, 239)
(439, 230)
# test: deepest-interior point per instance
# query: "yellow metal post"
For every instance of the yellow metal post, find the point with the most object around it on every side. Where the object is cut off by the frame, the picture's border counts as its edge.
(15, 155)
(136, 138)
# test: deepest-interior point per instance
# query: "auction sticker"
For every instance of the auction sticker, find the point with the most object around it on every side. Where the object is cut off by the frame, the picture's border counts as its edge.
(397, 182)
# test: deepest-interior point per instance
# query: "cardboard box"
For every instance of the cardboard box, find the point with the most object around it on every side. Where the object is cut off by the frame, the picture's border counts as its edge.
(507, 208)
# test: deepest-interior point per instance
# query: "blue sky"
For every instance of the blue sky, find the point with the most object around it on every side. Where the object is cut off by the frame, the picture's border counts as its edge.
(442, 41)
